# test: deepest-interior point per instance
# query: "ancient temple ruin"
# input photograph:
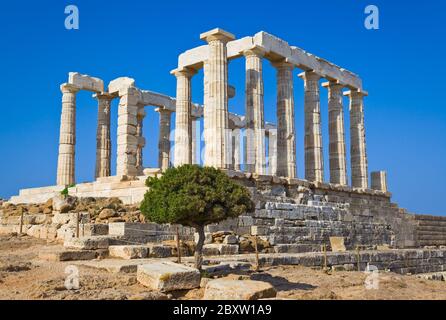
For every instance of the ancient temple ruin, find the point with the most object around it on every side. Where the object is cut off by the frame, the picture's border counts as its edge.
(296, 210)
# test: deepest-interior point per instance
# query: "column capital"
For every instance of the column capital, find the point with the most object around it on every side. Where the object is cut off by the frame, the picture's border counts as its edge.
(217, 34)
(310, 75)
(103, 96)
(282, 64)
(333, 85)
(163, 110)
(184, 72)
(255, 51)
(68, 88)
(356, 93)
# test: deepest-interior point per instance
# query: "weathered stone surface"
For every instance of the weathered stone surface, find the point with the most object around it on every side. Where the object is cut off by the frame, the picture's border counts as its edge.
(87, 243)
(228, 289)
(337, 244)
(220, 249)
(168, 276)
(159, 251)
(129, 252)
(66, 255)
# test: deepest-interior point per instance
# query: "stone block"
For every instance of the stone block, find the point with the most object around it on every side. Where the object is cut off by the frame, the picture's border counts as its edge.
(85, 82)
(129, 252)
(214, 249)
(115, 86)
(167, 276)
(230, 239)
(207, 237)
(66, 255)
(337, 244)
(87, 243)
(159, 251)
(228, 289)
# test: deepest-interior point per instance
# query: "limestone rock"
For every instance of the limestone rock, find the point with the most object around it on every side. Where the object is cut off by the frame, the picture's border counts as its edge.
(87, 243)
(129, 252)
(107, 213)
(64, 204)
(230, 239)
(337, 244)
(159, 251)
(228, 289)
(168, 276)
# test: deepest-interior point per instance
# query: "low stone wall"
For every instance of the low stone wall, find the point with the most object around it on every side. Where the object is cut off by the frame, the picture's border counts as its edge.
(430, 230)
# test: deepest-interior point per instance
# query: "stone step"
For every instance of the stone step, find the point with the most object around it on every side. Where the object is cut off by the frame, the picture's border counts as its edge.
(229, 289)
(129, 251)
(168, 276)
(88, 243)
(62, 254)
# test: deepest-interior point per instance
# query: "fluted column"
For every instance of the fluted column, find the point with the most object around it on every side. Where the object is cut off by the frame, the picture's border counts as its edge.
(236, 149)
(67, 137)
(183, 127)
(338, 162)
(216, 99)
(272, 151)
(195, 143)
(164, 138)
(127, 132)
(314, 159)
(103, 143)
(358, 154)
(286, 136)
(255, 142)
(141, 141)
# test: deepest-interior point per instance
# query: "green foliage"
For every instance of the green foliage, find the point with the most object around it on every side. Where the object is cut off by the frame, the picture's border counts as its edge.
(64, 192)
(194, 196)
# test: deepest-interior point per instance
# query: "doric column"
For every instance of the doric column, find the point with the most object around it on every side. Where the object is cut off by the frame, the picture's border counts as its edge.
(67, 138)
(164, 138)
(286, 136)
(338, 162)
(103, 144)
(216, 99)
(183, 127)
(255, 124)
(379, 181)
(272, 151)
(236, 149)
(314, 159)
(127, 132)
(141, 141)
(195, 143)
(358, 154)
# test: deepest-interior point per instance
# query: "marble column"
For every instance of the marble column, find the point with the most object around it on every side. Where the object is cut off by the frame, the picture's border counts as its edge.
(67, 138)
(358, 154)
(338, 162)
(272, 152)
(255, 124)
(195, 142)
(286, 135)
(217, 141)
(236, 151)
(127, 132)
(103, 143)
(183, 127)
(141, 141)
(314, 159)
(164, 138)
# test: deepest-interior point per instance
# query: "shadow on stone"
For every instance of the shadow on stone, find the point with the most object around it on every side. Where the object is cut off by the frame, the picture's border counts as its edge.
(280, 283)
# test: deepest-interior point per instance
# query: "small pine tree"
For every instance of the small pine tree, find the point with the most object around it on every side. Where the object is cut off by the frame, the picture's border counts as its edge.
(194, 196)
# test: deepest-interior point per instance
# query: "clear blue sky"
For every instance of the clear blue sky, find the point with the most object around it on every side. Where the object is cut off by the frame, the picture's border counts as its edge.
(402, 65)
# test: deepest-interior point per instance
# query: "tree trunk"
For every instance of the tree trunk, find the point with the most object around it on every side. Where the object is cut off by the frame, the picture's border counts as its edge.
(199, 247)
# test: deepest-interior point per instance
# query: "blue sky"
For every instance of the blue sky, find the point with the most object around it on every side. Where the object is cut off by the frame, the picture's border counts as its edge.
(402, 66)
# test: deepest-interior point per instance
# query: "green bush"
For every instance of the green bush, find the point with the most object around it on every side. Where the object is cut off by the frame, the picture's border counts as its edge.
(194, 196)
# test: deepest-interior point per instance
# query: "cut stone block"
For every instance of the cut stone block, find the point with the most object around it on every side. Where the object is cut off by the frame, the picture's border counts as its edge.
(214, 249)
(129, 229)
(229, 289)
(85, 82)
(87, 243)
(337, 244)
(129, 252)
(159, 251)
(230, 239)
(66, 255)
(207, 237)
(168, 276)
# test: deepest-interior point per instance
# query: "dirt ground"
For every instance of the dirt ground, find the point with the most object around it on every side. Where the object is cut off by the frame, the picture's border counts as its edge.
(24, 276)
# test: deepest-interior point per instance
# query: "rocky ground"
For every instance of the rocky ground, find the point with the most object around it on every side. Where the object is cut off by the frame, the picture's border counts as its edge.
(24, 276)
